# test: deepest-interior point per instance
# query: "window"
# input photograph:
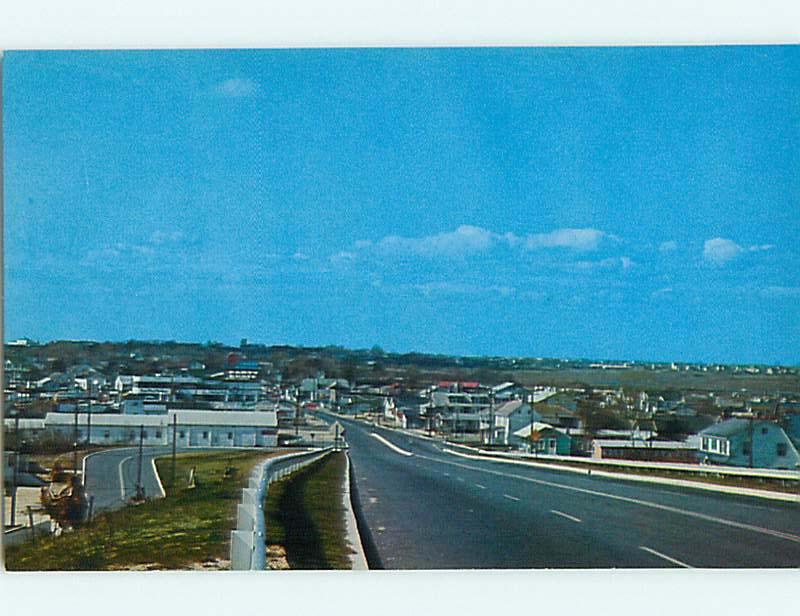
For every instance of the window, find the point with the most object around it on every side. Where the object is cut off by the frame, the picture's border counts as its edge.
(106, 434)
(205, 434)
(181, 434)
(764, 430)
(230, 436)
(158, 433)
(144, 433)
(780, 449)
(746, 448)
(704, 446)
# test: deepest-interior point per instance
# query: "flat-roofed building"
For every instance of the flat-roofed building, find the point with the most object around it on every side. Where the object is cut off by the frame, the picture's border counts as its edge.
(194, 428)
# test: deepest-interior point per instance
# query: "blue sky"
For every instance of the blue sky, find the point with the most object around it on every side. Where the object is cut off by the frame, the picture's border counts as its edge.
(628, 203)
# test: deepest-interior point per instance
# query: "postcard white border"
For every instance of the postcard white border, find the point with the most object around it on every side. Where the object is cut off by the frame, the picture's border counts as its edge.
(316, 23)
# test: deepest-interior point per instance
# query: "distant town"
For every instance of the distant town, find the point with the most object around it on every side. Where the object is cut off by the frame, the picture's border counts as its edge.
(257, 395)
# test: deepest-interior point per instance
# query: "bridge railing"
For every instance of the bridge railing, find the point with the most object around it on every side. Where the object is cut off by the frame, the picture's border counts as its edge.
(248, 550)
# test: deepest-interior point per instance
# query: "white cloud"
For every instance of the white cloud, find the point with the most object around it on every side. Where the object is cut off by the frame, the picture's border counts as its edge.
(608, 263)
(575, 239)
(761, 248)
(662, 292)
(300, 256)
(470, 240)
(163, 237)
(236, 87)
(458, 288)
(668, 246)
(719, 250)
(465, 240)
(343, 257)
(780, 292)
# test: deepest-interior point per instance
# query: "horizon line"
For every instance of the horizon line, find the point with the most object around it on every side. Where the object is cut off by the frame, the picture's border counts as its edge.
(412, 352)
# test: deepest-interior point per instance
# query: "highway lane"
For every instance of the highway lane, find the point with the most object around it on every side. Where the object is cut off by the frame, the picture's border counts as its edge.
(434, 509)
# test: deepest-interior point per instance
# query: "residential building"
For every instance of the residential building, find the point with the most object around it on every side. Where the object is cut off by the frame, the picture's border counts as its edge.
(748, 442)
(542, 438)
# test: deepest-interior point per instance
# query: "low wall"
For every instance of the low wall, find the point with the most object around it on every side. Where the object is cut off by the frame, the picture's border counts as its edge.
(248, 550)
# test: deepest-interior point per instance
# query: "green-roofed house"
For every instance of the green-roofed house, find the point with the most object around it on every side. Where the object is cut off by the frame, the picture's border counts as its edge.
(748, 442)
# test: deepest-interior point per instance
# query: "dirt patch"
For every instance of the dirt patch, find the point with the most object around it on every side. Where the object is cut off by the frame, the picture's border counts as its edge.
(276, 558)
(211, 564)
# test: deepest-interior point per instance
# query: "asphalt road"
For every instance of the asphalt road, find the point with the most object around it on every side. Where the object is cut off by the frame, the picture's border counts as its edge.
(111, 475)
(433, 509)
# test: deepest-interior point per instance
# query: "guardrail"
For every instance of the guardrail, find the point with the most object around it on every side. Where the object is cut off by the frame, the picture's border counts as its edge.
(248, 551)
(702, 469)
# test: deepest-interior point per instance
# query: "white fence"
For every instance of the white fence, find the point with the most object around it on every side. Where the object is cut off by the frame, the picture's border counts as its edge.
(248, 551)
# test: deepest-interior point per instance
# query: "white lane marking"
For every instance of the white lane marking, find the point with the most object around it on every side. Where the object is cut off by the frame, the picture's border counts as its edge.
(121, 478)
(565, 515)
(391, 446)
(509, 497)
(674, 561)
(477, 485)
(626, 499)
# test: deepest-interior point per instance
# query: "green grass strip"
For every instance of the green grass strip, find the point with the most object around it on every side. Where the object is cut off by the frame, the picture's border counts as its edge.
(183, 530)
(305, 515)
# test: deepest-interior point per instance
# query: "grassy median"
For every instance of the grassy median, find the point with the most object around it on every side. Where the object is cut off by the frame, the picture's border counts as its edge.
(189, 529)
(305, 518)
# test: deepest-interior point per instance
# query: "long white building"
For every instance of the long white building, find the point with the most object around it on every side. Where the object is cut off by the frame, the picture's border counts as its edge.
(194, 428)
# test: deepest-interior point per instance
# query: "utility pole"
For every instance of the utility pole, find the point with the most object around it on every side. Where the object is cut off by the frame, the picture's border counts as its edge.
(174, 445)
(751, 439)
(89, 417)
(530, 436)
(139, 491)
(16, 466)
(75, 444)
(297, 413)
(491, 417)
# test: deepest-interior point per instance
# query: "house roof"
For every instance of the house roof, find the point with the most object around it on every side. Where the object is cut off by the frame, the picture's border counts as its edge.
(510, 407)
(502, 386)
(538, 426)
(465, 384)
(728, 427)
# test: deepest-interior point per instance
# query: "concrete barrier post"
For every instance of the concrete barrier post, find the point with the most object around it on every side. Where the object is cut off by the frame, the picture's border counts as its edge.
(241, 550)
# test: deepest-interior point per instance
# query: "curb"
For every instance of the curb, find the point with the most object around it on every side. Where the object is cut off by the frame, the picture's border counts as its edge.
(358, 560)
(158, 477)
(683, 483)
